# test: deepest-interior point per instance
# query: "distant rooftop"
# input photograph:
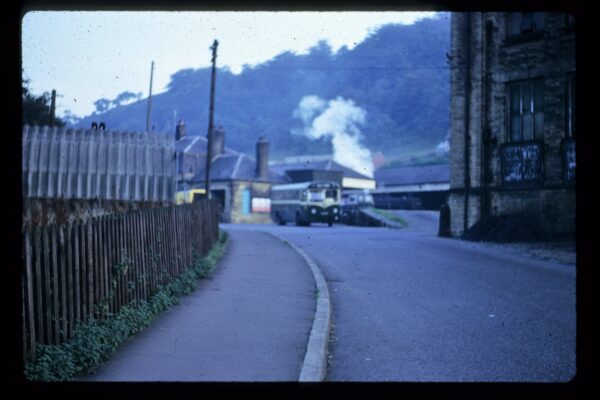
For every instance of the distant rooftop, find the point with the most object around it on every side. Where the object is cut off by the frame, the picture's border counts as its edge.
(228, 166)
(413, 175)
(196, 145)
(326, 165)
(234, 167)
(305, 158)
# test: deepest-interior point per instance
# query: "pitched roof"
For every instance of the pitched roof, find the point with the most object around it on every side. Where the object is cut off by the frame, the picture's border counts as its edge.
(228, 166)
(413, 175)
(196, 145)
(234, 167)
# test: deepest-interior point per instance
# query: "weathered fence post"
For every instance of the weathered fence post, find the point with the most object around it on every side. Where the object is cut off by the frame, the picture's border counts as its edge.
(31, 338)
(54, 274)
(69, 267)
(62, 265)
(47, 299)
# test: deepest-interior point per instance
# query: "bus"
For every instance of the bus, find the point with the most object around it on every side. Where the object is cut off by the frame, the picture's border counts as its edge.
(189, 196)
(306, 202)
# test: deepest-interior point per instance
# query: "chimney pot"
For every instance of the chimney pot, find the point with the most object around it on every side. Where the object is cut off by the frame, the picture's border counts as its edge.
(262, 158)
(180, 130)
(218, 141)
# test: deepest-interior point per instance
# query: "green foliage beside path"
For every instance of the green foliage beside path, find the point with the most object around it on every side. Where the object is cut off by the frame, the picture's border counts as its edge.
(94, 341)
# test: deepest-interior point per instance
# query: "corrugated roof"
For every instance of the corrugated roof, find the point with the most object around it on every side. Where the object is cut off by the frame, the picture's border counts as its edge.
(318, 165)
(413, 175)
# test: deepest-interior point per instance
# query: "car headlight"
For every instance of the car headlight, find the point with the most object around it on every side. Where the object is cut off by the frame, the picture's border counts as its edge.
(313, 210)
(335, 210)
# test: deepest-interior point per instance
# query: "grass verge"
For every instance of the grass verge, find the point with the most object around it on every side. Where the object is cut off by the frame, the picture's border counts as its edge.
(94, 341)
(391, 216)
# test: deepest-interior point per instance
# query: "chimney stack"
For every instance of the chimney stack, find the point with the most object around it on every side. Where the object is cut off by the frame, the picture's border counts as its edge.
(218, 142)
(180, 130)
(262, 158)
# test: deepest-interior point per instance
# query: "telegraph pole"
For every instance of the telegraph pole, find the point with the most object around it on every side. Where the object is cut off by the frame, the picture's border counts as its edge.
(149, 98)
(52, 108)
(210, 118)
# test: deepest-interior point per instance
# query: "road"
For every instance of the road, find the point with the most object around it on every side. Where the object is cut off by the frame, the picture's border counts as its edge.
(412, 307)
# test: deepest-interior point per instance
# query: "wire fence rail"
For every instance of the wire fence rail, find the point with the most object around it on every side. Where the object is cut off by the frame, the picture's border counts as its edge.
(91, 269)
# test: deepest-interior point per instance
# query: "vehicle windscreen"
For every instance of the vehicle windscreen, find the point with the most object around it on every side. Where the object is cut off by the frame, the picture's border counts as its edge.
(316, 195)
(331, 194)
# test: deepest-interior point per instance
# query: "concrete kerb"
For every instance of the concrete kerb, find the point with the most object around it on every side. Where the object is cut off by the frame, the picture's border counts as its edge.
(314, 366)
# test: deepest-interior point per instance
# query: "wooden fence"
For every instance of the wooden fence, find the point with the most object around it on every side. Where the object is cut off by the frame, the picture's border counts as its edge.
(69, 269)
(61, 163)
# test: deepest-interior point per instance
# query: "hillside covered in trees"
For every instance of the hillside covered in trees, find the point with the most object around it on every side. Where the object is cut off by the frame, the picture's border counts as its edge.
(398, 77)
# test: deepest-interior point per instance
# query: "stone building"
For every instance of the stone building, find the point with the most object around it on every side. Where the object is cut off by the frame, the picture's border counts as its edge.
(513, 119)
(241, 184)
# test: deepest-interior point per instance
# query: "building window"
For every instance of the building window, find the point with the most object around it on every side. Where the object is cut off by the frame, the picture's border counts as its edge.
(524, 23)
(526, 111)
(522, 163)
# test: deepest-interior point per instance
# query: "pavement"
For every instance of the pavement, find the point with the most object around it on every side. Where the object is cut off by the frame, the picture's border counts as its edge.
(258, 317)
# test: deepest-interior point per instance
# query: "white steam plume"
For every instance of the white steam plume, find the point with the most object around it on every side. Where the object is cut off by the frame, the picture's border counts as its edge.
(444, 147)
(339, 120)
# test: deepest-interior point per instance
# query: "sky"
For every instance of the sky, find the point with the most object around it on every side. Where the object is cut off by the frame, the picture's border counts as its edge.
(88, 55)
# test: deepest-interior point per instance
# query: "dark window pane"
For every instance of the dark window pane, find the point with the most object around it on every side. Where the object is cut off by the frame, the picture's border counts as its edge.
(515, 128)
(515, 23)
(527, 127)
(527, 98)
(538, 21)
(526, 22)
(538, 103)
(539, 125)
(515, 99)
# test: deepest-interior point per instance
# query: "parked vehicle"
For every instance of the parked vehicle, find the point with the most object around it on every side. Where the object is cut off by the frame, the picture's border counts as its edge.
(306, 202)
(189, 196)
(352, 202)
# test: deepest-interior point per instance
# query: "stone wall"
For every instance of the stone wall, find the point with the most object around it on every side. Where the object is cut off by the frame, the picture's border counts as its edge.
(257, 189)
(484, 61)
